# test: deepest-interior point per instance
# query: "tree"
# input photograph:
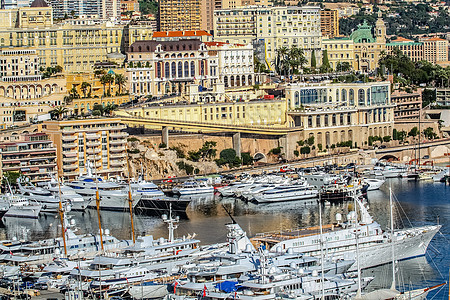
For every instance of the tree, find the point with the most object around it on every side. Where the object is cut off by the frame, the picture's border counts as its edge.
(281, 62)
(109, 108)
(296, 59)
(429, 133)
(247, 159)
(343, 67)
(120, 81)
(106, 79)
(74, 93)
(84, 87)
(10, 177)
(313, 60)
(59, 111)
(325, 68)
(310, 140)
(228, 156)
(428, 97)
(413, 132)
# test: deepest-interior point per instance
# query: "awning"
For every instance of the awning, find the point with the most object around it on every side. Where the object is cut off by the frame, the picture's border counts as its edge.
(70, 154)
(34, 169)
(12, 162)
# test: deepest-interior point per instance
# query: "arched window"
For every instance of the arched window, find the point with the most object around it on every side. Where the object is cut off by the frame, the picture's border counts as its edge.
(368, 96)
(361, 98)
(180, 69)
(333, 119)
(351, 97)
(310, 121)
(232, 80)
(341, 119)
(166, 70)
(296, 99)
(317, 121)
(238, 80)
(249, 79)
(186, 69)
(202, 67)
(158, 70)
(174, 69)
(337, 95)
(225, 81)
(192, 69)
(344, 95)
(326, 120)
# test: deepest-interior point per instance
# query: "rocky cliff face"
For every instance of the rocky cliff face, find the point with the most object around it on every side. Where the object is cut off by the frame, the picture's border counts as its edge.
(153, 163)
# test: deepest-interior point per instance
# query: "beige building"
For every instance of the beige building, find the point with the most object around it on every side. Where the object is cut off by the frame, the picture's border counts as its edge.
(410, 48)
(340, 50)
(273, 27)
(33, 155)
(341, 112)
(99, 142)
(248, 113)
(18, 64)
(176, 15)
(76, 45)
(408, 105)
(435, 50)
(329, 22)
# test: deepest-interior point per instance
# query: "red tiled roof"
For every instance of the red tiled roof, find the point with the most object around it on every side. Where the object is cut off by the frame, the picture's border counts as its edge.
(400, 39)
(435, 39)
(180, 33)
(220, 44)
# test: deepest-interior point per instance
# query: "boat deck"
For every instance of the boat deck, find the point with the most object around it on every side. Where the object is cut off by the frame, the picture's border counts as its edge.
(271, 238)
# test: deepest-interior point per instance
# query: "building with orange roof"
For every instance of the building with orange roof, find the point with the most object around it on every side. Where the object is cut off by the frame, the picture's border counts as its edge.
(179, 15)
(410, 48)
(435, 50)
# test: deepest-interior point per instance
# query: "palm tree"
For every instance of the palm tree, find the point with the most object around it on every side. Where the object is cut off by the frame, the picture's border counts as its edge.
(296, 59)
(104, 80)
(281, 62)
(73, 92)
(59, 111)
(120, 81)
(109, 108)
(99, 72)
(84, 87)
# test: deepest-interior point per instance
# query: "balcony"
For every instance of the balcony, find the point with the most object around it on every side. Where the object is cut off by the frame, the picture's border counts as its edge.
(93, 144)
(91, 158)
(117, 142)
(69, 138)
(118, 134)
(70, 159)
(119, 155)
(93, 151)
(70, 153)
(92, 137)
(117, 149)
(116, 163)
(70, 167)
(70, 145)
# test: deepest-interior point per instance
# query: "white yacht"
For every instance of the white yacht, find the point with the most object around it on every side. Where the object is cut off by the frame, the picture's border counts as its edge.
(19, 207)
(39, 195)
(68, 194)
(113, 196)
(191, 187)
(440, 177)
(297, 190)
(340, 240)
(374, 184)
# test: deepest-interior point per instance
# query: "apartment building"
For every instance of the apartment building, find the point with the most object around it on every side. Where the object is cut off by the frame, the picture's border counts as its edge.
(408, 105)
(340, 50)
(443, 97)
(274, 27)
(201, 35)
(19, 65)
(435, 50)
(329, 22)
(129, 6)
(169, 67)
(179, 15)
(99, 143)
(410, 48)
(76, 44)
(105, 9)
(339, 112)
(33, 155)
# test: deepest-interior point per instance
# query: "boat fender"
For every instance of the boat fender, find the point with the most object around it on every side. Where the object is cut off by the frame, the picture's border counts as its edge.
(178, 251)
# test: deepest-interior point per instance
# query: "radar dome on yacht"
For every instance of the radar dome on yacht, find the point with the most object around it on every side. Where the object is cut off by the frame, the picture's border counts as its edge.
(164, 217)
(273, 270)
(338, 217)
(161, 240)
(279, 250)
(14, 238)
(315, 273)
(72, 222)
(106, 231)
(301, 271)
(68, 208)
(293, 265)
(57, 251)
(290, 251)
(248, 248)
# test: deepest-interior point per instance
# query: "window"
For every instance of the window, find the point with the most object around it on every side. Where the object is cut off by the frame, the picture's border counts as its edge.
(180, 69)
(192, 69)
(361, 97)
(167, 70)
(344, 95)
(317, 121)
(309, 121)
(174, 69)
(351, 97)
(186, 69)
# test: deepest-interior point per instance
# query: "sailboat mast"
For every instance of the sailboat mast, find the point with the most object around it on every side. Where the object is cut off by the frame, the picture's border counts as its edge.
(97, 200)
(392, 239)
(61, 215)
(321, 249)
(130, 201)
(355, 198)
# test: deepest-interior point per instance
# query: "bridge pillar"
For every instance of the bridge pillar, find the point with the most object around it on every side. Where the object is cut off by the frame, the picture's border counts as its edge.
(165, 135)
(237, 143)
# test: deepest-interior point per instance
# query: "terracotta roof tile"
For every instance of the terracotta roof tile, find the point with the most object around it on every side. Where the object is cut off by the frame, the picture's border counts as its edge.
(180, 33)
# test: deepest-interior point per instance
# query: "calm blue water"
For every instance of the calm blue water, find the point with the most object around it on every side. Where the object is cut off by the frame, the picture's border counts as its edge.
(421, 203)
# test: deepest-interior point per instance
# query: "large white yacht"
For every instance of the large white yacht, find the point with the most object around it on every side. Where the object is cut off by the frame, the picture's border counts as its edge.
(192, 187)
(113, 196)
(17, 206)
(296, 190)
(340, 240)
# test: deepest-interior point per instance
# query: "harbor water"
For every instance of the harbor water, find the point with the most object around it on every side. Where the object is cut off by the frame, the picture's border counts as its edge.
(417, 203)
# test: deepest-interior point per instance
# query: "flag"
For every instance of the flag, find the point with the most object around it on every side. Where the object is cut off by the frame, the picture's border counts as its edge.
(235, 295)
(204, 290)
(10, 252)
(175, 287)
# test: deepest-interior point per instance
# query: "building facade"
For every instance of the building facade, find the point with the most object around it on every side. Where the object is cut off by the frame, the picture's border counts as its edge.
(105, 9)
(443, 97)
(410, 48)
(435, 50)
(340, 112)
(33, 155)
(408, 105)
(76, 45)
(161, 68)
(329, 22)
(99, 143)
(273, 27)
(340, 50)
(179, 15)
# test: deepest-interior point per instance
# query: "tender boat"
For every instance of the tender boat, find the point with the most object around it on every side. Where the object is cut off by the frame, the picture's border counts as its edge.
(191, 187)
